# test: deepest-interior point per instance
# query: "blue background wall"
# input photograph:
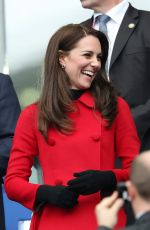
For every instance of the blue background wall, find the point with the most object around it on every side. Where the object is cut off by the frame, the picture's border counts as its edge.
(14, 212)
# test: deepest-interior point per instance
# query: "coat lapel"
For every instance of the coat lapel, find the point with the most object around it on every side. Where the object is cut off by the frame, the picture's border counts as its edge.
(126, 29)
(88, 23)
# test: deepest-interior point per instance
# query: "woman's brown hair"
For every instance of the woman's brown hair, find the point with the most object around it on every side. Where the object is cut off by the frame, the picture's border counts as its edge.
(55, 102)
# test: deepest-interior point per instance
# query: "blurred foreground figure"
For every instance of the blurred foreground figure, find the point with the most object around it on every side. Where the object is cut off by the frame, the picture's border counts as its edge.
(139, 193)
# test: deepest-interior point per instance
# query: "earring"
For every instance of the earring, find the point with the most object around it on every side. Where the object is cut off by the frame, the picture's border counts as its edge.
(63, 66)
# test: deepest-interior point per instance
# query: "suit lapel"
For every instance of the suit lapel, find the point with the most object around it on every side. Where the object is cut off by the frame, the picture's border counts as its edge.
(131, 17)
(88, 23)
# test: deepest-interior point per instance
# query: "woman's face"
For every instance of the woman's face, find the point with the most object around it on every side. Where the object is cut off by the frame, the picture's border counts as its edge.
(83, 62)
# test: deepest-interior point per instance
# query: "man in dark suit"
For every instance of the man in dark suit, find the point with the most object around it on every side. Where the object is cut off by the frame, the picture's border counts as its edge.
(139, 192)
(9, 113)
(129, 56)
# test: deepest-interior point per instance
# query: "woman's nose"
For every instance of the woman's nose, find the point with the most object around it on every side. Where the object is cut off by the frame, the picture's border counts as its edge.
(95, 62)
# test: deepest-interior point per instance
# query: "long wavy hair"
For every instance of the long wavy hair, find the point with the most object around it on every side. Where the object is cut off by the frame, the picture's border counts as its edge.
(55, 102)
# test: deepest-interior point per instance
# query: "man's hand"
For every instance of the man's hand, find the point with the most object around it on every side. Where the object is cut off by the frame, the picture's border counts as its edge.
(107, 210)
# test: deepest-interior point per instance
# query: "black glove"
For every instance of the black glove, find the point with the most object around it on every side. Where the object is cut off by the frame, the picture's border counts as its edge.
(59, 196)
(91, 181)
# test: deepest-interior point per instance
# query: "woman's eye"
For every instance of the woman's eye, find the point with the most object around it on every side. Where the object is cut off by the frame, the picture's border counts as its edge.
(87, 55)
(99, 57)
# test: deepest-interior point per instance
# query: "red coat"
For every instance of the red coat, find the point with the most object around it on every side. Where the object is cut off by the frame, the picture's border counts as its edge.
(90, 146)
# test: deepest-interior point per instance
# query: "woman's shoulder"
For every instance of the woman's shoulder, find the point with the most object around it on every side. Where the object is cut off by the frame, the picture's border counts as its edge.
(121, 102)
(123, 106)
(28, 119)
(31, 107)
(30, 111)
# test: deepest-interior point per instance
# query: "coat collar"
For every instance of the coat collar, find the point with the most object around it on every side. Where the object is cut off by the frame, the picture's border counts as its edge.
(87, 99)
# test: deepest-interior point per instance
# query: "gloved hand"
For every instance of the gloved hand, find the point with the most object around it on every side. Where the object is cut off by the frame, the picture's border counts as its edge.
(91, 181)
(59, 196)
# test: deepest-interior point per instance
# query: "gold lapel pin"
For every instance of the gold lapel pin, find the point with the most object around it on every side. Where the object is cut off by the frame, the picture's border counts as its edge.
(131, 25)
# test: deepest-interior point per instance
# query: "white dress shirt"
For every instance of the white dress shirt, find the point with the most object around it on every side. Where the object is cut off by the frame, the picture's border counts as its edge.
(116, 14)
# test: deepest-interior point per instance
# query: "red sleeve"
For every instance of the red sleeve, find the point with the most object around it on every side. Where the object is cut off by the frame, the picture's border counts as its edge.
(126, 139)
(24, 150)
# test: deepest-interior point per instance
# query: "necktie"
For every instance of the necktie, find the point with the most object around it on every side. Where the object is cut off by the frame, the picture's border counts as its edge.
(103, 19)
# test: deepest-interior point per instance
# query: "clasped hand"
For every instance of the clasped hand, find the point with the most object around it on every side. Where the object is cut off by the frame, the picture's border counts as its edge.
(92, 181)
(85, 183)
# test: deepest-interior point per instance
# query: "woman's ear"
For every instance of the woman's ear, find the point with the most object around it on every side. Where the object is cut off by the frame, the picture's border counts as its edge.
(61, 58)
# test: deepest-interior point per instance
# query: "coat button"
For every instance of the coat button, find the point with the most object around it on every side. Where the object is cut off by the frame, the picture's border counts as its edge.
(96, 138)
(51, 142)
(58, 182)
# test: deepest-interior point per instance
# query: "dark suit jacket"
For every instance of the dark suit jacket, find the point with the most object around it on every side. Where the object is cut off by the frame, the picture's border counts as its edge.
(9, 112)
(130, 68)
(143, 223)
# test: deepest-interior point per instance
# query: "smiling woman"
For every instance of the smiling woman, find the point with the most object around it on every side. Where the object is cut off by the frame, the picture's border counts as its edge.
(76, 130)
(83, 62)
